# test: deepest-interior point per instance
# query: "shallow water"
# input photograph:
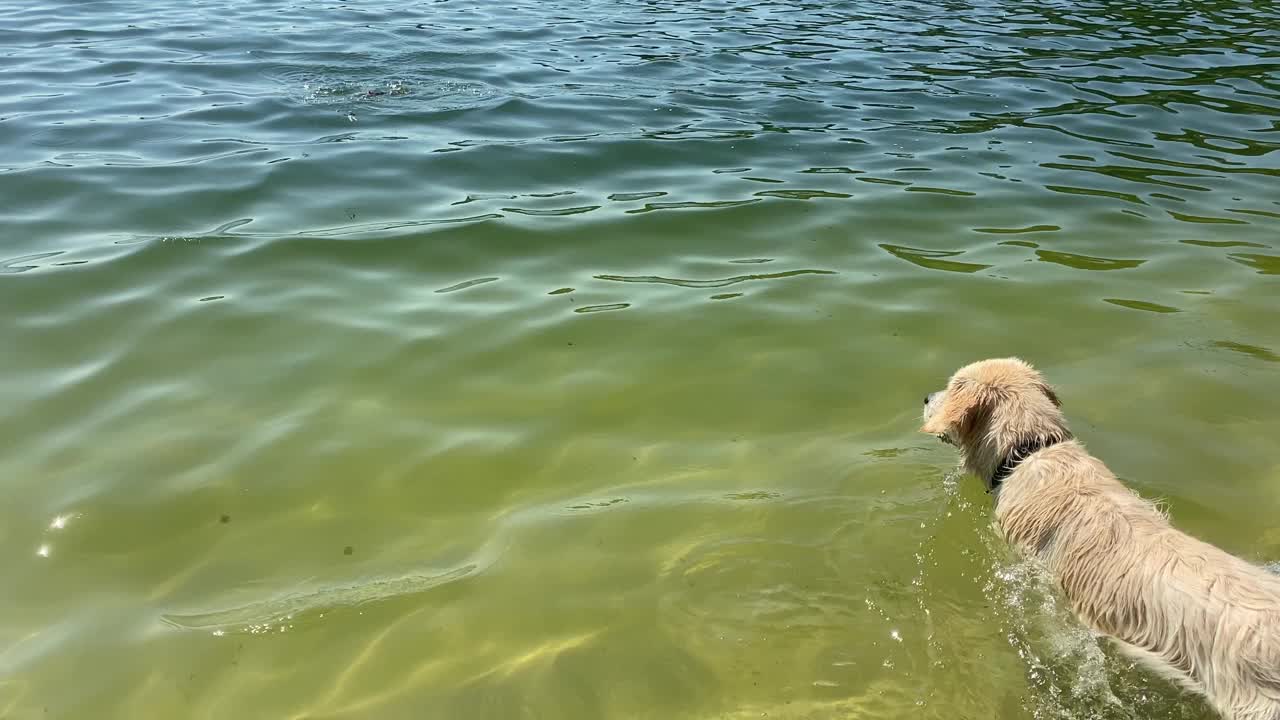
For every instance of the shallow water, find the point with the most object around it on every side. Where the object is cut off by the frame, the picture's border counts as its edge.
(563, 360)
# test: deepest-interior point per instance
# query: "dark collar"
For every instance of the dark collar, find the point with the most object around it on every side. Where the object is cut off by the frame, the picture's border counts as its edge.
(1015, 458)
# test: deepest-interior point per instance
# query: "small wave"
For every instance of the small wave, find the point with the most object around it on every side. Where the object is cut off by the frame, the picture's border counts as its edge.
(1264, 264)
(24, 263)
(651, 207)
(1018, 230)
(1086, 262)
(467, 284)
(587, 309)
(1254, 351)
(933, 259)
(558, 212)
(717, 283)
(283, 613)
(1141, 305)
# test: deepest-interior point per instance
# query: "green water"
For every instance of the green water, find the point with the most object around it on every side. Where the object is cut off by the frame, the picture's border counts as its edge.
(563, 359)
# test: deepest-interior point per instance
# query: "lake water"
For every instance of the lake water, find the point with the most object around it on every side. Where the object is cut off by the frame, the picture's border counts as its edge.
(564, 359)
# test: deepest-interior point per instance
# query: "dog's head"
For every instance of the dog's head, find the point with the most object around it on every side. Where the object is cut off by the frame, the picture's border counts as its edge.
(990, 409)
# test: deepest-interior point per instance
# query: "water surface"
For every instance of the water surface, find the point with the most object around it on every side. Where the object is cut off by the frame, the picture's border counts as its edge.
(563, 360)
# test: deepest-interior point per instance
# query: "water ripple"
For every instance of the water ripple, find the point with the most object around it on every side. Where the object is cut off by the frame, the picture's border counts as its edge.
(933, 259)
(467, 284)
(287, 612)
(722, 282)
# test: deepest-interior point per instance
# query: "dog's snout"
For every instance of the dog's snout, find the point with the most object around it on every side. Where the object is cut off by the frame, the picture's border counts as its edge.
(928, 397)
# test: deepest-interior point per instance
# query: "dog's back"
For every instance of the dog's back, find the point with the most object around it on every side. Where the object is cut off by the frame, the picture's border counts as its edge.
(1197, 614)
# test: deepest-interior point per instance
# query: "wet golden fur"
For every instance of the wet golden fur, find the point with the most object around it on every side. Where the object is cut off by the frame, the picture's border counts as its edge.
(1198, 615)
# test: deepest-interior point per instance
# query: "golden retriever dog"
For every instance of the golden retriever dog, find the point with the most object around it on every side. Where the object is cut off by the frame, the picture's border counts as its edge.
(1192, 612)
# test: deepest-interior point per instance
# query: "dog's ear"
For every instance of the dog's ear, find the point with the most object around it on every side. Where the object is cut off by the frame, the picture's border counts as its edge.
(963, 404)
(1048, 391)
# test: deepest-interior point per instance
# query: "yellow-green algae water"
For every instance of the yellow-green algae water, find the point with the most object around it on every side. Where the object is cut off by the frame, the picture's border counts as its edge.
(563, 359)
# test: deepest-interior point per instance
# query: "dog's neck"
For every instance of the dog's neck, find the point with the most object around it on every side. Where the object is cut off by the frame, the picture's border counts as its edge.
(1015, 458)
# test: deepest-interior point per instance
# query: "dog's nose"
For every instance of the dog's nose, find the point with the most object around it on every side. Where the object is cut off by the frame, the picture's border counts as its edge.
(927, 398)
